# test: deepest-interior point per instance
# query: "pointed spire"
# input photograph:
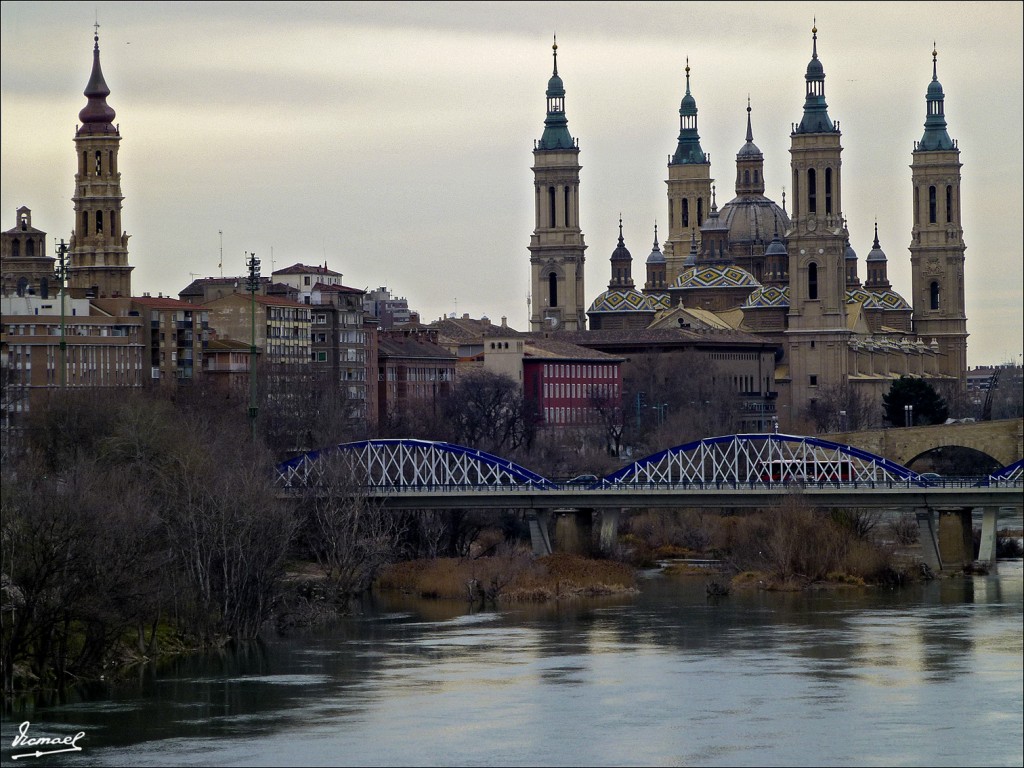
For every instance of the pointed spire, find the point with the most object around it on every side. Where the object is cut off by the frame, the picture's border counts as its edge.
(556, 126)
(688, 149)
(97, 116)
(750, 131)
(815, 119)
(656, 256)
(876, 245)
(935, 135)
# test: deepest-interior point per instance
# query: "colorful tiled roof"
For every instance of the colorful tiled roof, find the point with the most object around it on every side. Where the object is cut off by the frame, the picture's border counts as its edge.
(768, 296)
(716, 277)
(622, 300)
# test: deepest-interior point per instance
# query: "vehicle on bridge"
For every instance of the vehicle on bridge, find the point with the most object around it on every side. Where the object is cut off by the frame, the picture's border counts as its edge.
(799, 471)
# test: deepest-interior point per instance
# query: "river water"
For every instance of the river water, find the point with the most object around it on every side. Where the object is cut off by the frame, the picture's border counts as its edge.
(927, 675)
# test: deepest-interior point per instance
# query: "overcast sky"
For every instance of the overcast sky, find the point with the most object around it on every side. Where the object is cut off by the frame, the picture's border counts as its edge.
(394, 140)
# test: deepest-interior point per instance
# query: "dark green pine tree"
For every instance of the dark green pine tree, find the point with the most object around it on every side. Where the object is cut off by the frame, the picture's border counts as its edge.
(929, 407)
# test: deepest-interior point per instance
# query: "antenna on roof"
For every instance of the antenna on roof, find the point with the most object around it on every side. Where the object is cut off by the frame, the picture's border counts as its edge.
(220, 266)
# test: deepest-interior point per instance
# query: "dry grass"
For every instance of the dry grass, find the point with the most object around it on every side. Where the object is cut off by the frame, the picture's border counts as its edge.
(511, 576)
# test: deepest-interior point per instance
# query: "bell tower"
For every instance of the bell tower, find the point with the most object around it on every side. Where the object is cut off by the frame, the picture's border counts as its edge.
(937, 238)
(98, 258)
(689, 188)
(816, 338)
(556, 246)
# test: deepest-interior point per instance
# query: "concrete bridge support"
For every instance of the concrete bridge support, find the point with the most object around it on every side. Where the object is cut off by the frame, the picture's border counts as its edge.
(573, 531)
(540, 532)
(956, 539)
(928, 540)
(608, 529)
(987, 549)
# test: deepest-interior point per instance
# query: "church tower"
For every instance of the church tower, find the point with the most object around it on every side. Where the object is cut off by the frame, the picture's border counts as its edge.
(937, 238)
(556, 246)
(689, 187)
(98, 258)
(817, 334)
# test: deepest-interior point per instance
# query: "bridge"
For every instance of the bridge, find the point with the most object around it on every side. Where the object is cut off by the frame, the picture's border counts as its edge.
(748, 471)
(1002, 440)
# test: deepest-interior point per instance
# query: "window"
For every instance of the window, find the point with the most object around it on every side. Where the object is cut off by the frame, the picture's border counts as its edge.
(15, 248)
(812, 281)
(566, 191)
(700, 211)
(812, 199)
(931, 205)
(949, 204)
(552, 290)
(934, 293)
(828, 190)
(813, 380)
(99, 222)
(551, 206)
(99, 163)
(686, 212)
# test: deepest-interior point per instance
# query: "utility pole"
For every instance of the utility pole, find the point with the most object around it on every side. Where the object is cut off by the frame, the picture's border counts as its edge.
(61, 273)
(254, 283)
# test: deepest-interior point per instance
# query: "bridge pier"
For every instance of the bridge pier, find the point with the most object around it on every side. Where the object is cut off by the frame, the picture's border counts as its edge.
(573, 531)
(540, 532)
(987, 549)
(608, 530)
(928, 540)
(956, 538)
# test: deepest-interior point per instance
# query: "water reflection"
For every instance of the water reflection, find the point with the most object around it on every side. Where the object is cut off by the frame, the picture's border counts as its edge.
(930, 674)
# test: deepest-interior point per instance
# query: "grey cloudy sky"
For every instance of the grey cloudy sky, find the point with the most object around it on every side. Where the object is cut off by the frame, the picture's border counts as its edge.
(394, 140)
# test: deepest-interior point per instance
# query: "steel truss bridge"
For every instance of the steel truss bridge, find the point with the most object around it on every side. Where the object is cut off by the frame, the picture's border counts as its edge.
(748, 470)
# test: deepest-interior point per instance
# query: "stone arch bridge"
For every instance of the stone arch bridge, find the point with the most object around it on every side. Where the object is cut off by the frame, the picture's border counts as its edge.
(1002, 440)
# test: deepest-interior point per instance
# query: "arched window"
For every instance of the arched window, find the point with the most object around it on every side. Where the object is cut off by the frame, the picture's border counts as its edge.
(746, 177)
(15, 248)
(917, 203)
(553, 290)
(828, 190)
(99, 162)
(30, 247)
(686, 212)
(812, 200)
(566, 189)
(755, 177)
(99, 222)
(931, 205)
(22, 286)
(700, 211)
(934, 299)
(949, 204)
(44, 288)
(551, 207)
(113, 224)
(812, 281)
(85, 223)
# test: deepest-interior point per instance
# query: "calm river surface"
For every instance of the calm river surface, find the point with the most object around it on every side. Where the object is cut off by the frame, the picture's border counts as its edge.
(930, 675)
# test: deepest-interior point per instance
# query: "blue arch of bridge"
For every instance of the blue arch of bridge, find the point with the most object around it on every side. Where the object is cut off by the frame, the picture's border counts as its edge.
(520, 473)
(857, 453)
(1010, 471)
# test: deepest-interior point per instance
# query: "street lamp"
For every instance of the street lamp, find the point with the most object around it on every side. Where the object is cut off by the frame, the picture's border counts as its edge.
(254, 283)
(60, 272)
(908, 415)
(842, 421)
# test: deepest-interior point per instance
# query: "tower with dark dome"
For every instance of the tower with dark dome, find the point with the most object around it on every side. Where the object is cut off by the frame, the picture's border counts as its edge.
(937, 238)
(689, 186)
(622, 305)
(752, 218)
(817, 334)
(556, 246)
(98, 257)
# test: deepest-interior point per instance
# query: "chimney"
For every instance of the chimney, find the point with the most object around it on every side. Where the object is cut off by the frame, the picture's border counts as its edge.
(504, 321)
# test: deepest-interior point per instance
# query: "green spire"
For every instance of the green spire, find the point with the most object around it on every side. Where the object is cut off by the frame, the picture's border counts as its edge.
(556, 126)
(816, 119)
(935, 135)
(688, 151)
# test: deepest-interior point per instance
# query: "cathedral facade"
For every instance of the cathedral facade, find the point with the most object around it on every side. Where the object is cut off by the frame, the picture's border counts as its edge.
(789, 277)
